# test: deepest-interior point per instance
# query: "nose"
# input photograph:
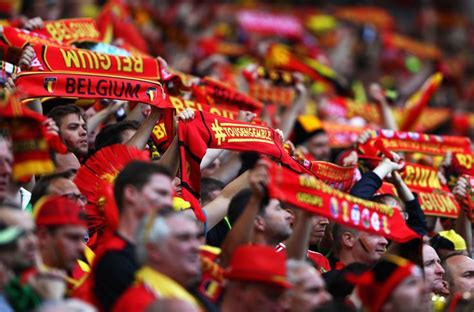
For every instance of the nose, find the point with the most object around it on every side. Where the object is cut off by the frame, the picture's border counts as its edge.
(439, 269)
(324, 221)
(326, 296)
(383, 241)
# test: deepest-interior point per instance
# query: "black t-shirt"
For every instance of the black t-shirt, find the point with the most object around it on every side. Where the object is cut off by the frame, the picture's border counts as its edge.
(115, 271)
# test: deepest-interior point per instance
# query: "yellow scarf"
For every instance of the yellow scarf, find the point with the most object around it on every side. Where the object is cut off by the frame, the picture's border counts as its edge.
(163, 286)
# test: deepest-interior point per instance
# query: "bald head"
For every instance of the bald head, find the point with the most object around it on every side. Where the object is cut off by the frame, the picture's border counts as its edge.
(172, 305)
(459, 273)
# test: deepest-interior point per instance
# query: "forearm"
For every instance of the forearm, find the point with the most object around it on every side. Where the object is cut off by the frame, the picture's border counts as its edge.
(229, 170)
(387, 114)
(463, 228)
(140, 137)
(289, 116)
(170, 158)
(297, 244)
(211, 155)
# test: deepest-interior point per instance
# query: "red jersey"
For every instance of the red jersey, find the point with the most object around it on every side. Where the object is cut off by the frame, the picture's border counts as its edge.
(320, 262)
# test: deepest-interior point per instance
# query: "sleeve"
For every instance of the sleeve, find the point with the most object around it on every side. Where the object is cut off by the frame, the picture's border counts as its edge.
(114, 274)
(416, 218)
(367, 186)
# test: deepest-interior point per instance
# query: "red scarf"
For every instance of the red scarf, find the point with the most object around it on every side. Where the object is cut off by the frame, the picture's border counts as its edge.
(338, 177)
(71, 30)
(90, 86)
(19, 38)
(211, 131)
(308, 193)
(84, 61)
(399, 141)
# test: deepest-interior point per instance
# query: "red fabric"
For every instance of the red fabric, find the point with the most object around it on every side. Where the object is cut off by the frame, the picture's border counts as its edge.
(319, 261)
(92, 86)
(212, 277)
(71, 30)
(137, 298)
(210, 131)
(308, 193)
(59, 210)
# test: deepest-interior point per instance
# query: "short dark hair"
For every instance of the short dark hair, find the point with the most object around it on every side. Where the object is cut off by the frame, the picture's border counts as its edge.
(59, 112)
(209, 185)
(239, 202)
(337, 231)
(41, 187)
(112, 134)
(137, 174)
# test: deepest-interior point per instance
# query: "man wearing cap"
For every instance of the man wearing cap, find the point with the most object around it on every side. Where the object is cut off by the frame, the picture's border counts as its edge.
(140, 188)
(310, 135)
(61, 230)
(168, 249)
(394, 284)
(447, 243)
(459, 273)
(256, 279)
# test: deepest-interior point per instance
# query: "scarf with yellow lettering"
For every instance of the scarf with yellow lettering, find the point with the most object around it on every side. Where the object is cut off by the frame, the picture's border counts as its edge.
(309, 193)
(211, 131)
(216, 93)
(399, 141)
(163, 286)
(19, 38)
(338, 177)
(71, 30)
(92, 86)
(76, 61)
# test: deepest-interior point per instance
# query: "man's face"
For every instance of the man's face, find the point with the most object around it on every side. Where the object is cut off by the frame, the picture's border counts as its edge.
(319, 224)
(24, 256)
(6, 161)
(318, 146)
(462, 271)
(433, 269)
(277, 221)
(411, 295)
(180, 253)
(264, 296)
(73, 130)
(66, 245)
(369, 248)
(310, 292)
(67, 162)
(65, 187)
(155, 195)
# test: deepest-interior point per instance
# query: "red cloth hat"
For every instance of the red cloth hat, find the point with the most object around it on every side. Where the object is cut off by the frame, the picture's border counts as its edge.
(258, 264)
(58, 210)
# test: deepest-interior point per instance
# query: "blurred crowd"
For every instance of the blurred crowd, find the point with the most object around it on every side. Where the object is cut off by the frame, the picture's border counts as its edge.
(236, 156)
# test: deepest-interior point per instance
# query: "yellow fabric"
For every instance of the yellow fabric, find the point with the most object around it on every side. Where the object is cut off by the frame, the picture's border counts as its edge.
(32, 167)
(180, 204)
(163, 286)
(310, 123)
(455, 238)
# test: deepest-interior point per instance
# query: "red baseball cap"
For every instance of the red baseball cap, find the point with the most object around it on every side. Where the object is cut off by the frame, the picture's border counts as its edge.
(258, 263)
(58, 210)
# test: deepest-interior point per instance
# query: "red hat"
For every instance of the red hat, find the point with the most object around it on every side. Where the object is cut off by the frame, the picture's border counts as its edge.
(58, 210)
(258, 263)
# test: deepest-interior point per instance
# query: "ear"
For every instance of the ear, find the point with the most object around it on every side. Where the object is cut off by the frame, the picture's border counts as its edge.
(152, 252)
(348, 239)
(129, 194)
(259, 224)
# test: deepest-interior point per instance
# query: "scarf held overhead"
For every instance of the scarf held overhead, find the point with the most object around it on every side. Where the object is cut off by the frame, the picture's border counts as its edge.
(309, 193)
(211, 131)
(90, 86)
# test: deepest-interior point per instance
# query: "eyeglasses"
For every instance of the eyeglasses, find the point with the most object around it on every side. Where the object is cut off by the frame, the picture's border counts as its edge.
(76, 197)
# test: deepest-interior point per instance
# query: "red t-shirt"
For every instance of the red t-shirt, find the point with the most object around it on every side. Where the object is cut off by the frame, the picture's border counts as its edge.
(319, 261)
(137, 298)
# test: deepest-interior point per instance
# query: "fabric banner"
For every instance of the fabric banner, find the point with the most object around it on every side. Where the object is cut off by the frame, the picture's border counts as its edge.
(373, 15)
(81, 60)
(90, 86)
(216, 93)
(71, 30)
(19, 38)
(211, 131)
(420, 49)
(341, 135)
(338, 177)
(399, 141)
(435, 198)
(418, 101)
(270, 24)
(284, 96)
(308, 193)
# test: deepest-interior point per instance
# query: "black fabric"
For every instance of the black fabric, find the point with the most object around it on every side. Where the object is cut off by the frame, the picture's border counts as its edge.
(115, 272)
